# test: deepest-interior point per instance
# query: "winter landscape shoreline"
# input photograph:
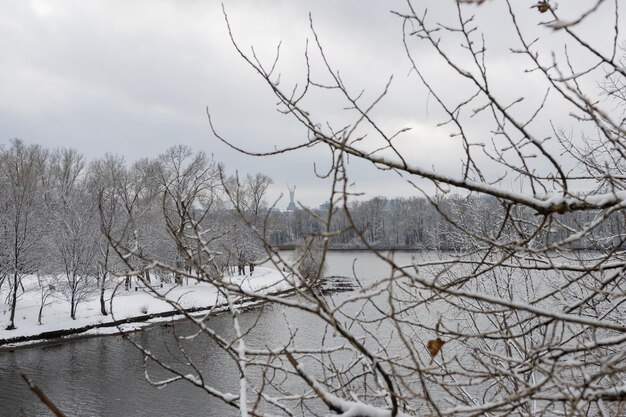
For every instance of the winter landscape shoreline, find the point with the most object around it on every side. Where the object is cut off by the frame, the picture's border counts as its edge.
(132, 310)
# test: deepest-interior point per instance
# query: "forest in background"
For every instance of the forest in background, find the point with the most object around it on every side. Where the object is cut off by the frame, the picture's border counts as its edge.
(439, 223)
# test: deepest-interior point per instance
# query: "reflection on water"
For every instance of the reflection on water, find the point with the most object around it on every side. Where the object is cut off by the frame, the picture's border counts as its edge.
(104, 376)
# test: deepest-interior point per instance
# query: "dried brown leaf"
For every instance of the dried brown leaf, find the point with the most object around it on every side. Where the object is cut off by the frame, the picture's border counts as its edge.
(542, 6)
(434, 346)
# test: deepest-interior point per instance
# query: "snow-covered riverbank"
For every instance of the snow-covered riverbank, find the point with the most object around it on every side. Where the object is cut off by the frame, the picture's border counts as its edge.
(125, 305)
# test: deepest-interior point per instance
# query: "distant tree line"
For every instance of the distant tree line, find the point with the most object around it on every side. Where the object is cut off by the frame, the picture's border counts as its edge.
(417, 223)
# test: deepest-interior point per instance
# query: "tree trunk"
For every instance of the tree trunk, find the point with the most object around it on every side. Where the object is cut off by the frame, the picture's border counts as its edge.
(40, 313)
(103, 309)
(11, 325)
(73, 305)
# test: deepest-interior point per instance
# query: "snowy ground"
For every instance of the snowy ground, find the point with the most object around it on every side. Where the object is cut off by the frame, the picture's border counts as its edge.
(126, 304)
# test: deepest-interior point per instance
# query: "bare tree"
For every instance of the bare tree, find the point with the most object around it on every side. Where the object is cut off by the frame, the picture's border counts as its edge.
(25, 222)
(105, 182)
(47, 288)
(138, 190)
(75, 239)
(256, 187)
(309, 260)
(188, 184)
(246, 218)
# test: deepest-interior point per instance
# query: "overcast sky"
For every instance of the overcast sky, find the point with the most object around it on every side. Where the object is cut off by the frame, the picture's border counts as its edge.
(135, 77)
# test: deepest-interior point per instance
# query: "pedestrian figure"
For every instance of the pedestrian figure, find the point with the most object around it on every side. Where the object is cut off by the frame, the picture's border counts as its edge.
(242, 268)
(251, 268)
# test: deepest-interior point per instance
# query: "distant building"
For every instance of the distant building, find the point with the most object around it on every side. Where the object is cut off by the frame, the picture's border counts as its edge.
(324, 206)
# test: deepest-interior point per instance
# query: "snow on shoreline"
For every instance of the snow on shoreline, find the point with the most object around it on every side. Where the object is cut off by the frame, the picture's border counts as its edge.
(134, 303)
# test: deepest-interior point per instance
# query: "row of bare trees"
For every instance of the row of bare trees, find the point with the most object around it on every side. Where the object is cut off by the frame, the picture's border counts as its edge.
(74, 224)
(414, 223)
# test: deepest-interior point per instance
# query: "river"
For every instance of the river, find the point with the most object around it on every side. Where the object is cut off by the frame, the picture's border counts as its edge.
(104, 376)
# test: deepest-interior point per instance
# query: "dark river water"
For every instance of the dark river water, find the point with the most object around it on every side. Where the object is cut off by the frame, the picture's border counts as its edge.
(105, 376)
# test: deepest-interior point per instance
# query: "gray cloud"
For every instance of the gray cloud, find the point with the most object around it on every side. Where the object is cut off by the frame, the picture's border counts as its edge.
(134, 78)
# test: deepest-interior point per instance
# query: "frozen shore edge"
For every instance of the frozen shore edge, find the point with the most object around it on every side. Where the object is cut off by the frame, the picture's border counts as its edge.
(145, 320)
